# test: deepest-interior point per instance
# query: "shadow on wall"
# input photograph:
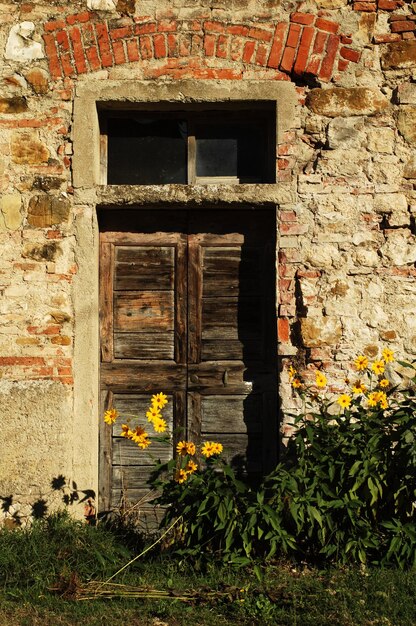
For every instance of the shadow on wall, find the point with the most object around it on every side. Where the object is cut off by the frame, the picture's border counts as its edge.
(39, 509)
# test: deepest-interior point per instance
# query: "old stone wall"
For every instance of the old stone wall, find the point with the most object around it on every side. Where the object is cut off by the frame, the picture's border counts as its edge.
(346, 220)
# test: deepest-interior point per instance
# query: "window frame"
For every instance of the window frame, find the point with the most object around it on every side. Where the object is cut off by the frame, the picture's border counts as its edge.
(261, 113)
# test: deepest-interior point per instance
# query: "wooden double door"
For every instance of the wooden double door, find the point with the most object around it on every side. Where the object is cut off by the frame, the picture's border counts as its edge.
(187, 307)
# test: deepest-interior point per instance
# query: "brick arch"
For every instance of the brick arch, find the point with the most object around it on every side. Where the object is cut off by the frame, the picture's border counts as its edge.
(307, 45)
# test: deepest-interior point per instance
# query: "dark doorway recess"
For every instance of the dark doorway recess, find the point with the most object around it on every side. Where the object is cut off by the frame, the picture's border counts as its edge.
(187, 307)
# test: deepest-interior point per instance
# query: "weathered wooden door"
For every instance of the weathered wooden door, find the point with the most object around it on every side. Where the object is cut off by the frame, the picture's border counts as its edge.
(188, 308)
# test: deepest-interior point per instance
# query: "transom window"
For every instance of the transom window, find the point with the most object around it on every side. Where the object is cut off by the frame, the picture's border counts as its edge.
(215, 145)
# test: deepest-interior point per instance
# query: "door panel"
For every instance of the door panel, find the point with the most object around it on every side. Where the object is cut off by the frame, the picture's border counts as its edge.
(188, 308)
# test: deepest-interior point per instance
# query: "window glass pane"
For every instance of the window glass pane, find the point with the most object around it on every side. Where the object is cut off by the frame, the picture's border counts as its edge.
(146, 151)
(237, 150)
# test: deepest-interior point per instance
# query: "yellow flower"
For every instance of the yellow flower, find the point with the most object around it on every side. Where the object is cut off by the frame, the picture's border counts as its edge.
(361, 363)
(292, 372)
(186, 447)
(372, 398)
(153, 414)
(358, 387)
(159, 400)
(159, 425)
(143, 443)
(388, 355)
(320, 379)
(344, 401)
(378, 367)
(140, 436)
(217, 447)
(181, 475)
(384, 382)
(110, 416)
(296, 383)
(190, 448)
(191, 467)
(126, 432)
(210, 448)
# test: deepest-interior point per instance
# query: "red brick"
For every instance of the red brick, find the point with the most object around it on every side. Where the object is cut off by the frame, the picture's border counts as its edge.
(236, 48)
(132, 50)
(119, 54)
(209, 45)
(402, 27)
(248, 51)
(277, 46)
(327, 26)
(350, 55)
(346, 39)
(185, 45)
(303, 51)
(53, 59)
(287, 61)
(64, 371)
(261, 55)
(293, 36)
(215, 27)
(172, 41)
(283, 330)
(222, 47)
(104, 45)
(260, 34)
(293, 228)
(78, 51)
(67, 66)
(167, 26)
(302, 18)
(93, 58)
(121, 33)
(319, 43)
(63, 40)
(159, 43)
(146, 50)
(55, 25)
(389, 5)
(313, 66)
(145, 29)
(21, 360)
(365, 6)
(78, 18)
(238, 29)
(397, 18)
(342, 65)
(286, 284)
(197, 44)
(325, 71)
(387, 38)
(288, 216)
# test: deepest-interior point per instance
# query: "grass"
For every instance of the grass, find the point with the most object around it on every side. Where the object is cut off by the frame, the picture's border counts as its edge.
(60, 553)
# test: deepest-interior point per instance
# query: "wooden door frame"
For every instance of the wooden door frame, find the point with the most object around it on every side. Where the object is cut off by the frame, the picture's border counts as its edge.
(194, 287)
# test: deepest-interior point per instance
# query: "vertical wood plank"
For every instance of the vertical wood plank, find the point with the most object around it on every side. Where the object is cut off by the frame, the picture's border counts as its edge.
(191, 154)
(179, 418)
(181, 299)
(194, 417)
(105, 468)
(106, 301)
(194, 299)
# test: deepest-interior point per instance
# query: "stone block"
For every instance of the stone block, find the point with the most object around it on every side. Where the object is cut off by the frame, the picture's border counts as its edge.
(399, 55)
(22, 45)
(410, 168)
(27, 149)
(331, 4)
(344, 131)
(406, 123)
(16, 104)
(38, 80)
(340, 101)
(45, 211)
(320, 331)
(389, 202)
(10, 205)
(381, 140)
(102, 5)
(406, 93)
